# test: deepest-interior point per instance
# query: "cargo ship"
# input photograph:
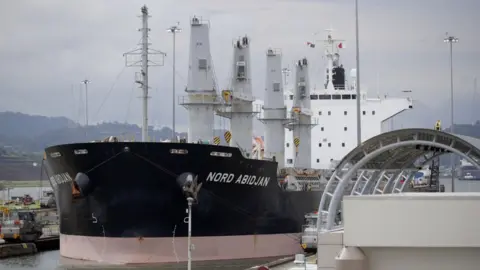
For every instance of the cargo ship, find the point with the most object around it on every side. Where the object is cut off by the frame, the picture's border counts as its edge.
(124, 202)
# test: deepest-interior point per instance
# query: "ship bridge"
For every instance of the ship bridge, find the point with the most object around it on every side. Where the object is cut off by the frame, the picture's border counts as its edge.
(385, 164)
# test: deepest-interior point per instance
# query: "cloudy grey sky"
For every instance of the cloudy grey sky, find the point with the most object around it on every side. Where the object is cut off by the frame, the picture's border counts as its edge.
(47, 47)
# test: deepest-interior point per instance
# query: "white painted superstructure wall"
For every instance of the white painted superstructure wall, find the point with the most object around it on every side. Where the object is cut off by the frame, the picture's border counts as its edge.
(336, 134)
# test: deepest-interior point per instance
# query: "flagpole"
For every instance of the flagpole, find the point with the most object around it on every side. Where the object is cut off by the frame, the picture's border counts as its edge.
(359, 120)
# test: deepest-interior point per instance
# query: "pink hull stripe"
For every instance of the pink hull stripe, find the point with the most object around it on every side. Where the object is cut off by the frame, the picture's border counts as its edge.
(166, 250)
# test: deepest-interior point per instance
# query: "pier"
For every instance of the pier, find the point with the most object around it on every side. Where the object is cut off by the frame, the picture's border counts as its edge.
(49, 240)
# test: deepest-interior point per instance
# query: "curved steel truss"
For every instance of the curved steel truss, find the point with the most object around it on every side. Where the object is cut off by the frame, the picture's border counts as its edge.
(385, 164)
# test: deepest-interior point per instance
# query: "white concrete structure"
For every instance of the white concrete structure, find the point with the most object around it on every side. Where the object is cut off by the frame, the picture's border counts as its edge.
(274, 111)
(424, 231)
(201, 99)
(385, 164)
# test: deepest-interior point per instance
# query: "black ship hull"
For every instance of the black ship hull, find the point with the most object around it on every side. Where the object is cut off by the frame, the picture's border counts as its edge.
(129, 206)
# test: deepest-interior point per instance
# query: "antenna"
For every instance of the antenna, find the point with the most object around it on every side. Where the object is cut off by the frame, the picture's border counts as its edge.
(286, 73)
(174, 30)
(473, 100)
(142, 78)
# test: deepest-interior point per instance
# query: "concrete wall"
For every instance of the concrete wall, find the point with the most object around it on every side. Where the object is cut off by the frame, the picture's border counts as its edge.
(423, 258)
(412, 220)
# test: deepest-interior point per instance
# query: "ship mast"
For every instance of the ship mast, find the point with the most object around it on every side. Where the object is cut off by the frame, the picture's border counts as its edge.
(142, 77)
(330, 44)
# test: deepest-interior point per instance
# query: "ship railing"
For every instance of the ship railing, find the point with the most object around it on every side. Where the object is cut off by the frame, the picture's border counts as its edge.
(198, 20)
(274, 51)
(198, 99)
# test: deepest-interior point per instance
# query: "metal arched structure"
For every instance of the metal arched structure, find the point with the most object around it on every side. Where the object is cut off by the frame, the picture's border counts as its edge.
(386, 163)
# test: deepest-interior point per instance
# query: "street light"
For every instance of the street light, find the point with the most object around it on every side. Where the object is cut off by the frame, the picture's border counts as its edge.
(174, 30)
(86, 82)
(450, 40)
(359, 120)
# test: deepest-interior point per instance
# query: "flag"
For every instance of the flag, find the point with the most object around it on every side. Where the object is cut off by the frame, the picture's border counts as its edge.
(311, 45)
(341, 45)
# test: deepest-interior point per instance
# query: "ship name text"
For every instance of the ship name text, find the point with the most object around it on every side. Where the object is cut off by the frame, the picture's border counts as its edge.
(60, 178)
(242, 179)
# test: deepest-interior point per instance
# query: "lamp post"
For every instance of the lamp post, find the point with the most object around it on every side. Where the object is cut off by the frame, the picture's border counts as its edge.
(174, 30)
(450, 40)
(86, 82)
(359, 120)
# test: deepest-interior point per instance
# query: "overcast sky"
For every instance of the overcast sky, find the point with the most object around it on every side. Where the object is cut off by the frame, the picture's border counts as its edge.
(48, 46)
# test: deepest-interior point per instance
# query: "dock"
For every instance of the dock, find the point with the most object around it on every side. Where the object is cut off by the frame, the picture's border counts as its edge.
(49, 240)
(8, 250)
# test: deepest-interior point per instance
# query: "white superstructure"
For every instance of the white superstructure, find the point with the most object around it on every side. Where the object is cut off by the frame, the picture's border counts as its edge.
(335, 108)
(201, 99)
(274, 115)
(239, 99)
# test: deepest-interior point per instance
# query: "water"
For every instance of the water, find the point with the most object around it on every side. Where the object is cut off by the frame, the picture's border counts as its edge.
(51, 260)
(45, 260)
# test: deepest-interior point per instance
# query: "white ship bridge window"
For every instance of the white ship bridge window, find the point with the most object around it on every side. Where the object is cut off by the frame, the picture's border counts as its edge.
(329, 144)
(343, 144)
(324, 96)
(346, 96)
(344, 112)
(354, 96)
(329, 113)
(364, 112)
(373, 112)
(313, 97)
(318, 160)
(289, 161)
(288, 145)
(336, 97)
(322, 129)
(291, 97)
(319, 112)
(345, 128)
(202, 63)
(320, 145)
